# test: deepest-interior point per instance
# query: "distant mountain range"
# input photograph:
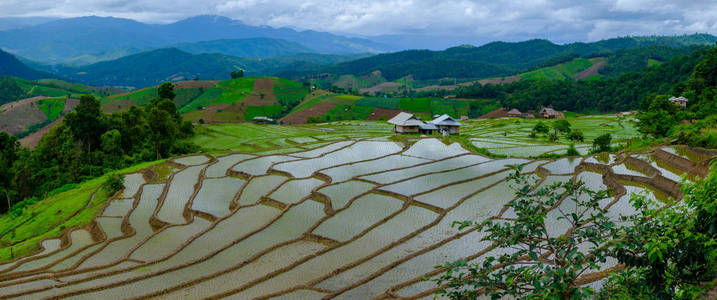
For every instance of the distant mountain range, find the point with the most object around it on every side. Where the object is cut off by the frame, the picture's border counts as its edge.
(123, 52)
(171, 64)
(90, 39)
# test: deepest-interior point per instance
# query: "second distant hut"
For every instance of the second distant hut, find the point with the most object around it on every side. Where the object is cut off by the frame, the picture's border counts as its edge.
(446, 124)
(514, 113)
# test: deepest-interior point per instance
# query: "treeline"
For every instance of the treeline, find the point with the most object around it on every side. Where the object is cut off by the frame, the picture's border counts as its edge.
(637, 59)
(89, 143)
(605, 95)
(694, 125)
(9, 90)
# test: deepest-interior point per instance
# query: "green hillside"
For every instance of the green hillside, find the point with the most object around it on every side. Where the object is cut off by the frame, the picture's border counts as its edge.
(225, 92)
(13, 89)
(505, 59)
(562, 71)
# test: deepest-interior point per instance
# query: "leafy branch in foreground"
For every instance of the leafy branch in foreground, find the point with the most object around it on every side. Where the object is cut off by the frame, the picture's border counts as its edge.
(539, 260)
(669, 252)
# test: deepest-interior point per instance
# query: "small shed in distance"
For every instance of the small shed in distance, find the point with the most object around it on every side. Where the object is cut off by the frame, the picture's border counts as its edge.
(680, 101)
(514, 113)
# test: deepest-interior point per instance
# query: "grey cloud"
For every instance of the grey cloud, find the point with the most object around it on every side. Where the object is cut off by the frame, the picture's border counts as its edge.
(474, 20)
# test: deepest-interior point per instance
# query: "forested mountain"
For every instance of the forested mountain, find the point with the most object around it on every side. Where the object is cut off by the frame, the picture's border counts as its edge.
(502, 58)
(168, 64)
(92, 39)
(11, 66)
(256, 47)
(624, 92)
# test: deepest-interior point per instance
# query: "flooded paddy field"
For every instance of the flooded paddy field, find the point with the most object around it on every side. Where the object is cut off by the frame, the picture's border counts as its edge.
(350, 218)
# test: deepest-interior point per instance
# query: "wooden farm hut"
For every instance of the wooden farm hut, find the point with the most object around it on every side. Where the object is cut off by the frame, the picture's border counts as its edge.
(549, 113)
(406, 123)
(515, 113)
(446, 124)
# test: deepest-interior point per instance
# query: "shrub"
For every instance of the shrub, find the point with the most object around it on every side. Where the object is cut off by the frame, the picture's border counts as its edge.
(572, 151)
(576, 135)
(602, 143)
(114, 183)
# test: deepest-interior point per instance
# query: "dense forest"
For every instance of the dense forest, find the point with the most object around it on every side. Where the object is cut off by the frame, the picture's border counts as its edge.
(621, 93)
(695, 125)
(89, 143)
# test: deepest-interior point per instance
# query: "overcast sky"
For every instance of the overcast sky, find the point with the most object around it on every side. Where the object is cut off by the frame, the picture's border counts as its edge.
(560, 20)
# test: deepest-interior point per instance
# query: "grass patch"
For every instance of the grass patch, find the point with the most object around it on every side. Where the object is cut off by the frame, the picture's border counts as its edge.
(348, 112)
(266, 111)
(52, 107)
(415, 104)
(333, 98)
(454, 108)
(203, 101)
(559, 72)
(653, 62)
(390, 103)
(140, 97)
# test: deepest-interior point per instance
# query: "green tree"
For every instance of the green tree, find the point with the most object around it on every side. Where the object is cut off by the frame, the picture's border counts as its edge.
(112, 142)
(659, 117)
(538, 263)
(541, 128)
(163, 131)
(9, 147)
(166, 91)
(86, 121)
(562, 126)
(669, 252)
(237, 74)
(576, 135)
(602, 143)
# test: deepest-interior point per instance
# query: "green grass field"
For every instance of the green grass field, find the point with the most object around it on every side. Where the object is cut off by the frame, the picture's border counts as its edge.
(349, 112)
(226, 92)
(266, 111)
(390, 103)
(139, 97)
(559, 72)
(331, 98)
(52, 107)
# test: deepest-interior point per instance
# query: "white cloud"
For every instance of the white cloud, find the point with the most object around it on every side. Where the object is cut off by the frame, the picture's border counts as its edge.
(559, 20)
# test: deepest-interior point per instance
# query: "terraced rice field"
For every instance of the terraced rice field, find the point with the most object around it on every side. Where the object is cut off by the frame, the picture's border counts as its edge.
(349, 219)
(511, 136)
